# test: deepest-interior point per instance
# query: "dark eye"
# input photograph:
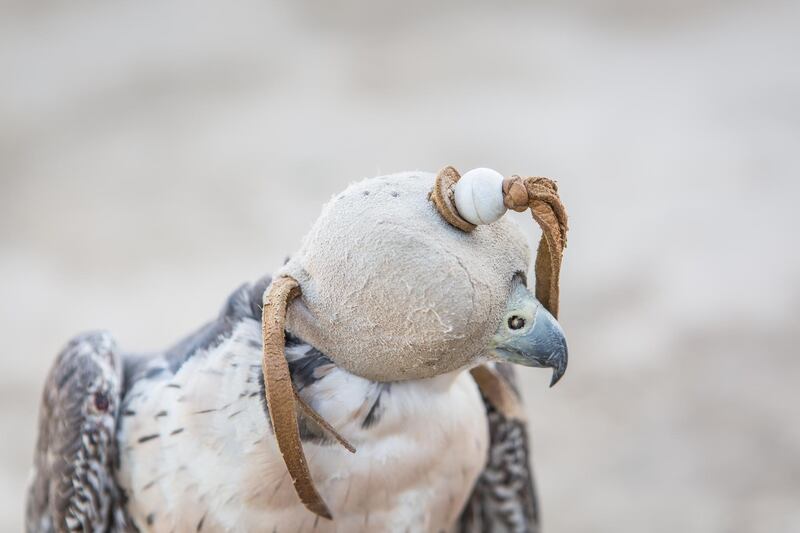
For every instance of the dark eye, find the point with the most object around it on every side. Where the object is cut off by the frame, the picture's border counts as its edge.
(101, 401)
(516, 322)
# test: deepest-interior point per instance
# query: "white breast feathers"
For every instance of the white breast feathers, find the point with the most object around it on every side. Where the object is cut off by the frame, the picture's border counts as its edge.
(197, 451)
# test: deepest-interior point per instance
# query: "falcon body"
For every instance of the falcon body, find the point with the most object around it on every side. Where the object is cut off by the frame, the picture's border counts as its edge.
(196, 451)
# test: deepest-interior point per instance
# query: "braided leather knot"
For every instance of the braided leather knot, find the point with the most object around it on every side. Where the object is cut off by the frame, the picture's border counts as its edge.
(515, 194)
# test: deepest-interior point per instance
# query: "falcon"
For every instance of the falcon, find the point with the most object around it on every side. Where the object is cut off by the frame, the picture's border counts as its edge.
(183, 440)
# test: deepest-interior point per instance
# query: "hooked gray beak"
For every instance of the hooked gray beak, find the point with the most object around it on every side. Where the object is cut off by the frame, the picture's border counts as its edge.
(529, 335)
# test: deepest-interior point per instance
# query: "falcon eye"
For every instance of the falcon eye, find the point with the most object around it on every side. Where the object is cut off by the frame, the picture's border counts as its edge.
(100, 401)
(516, 322)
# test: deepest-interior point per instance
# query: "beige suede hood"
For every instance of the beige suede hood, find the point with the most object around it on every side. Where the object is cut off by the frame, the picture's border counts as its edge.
(391, 291)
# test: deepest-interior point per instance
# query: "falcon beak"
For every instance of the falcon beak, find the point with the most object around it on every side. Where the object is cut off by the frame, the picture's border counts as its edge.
(529, 335)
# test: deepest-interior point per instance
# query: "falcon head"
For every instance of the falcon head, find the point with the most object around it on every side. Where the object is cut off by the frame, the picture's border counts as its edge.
(392, 289)
(528, 334)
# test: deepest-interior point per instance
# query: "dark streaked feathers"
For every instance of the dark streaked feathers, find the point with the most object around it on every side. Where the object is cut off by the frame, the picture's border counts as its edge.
(504, 497)
(73, 486)
(304, 368)
(374, 413)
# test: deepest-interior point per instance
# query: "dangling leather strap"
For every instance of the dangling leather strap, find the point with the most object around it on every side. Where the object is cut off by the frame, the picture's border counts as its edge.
(540, 195)
(497, 391)
(282, 400)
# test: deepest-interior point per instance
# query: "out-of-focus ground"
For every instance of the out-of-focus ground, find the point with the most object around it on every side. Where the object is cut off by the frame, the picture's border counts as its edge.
(153, 156)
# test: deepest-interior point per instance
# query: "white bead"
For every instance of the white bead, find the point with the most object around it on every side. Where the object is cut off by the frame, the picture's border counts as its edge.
(479, 196)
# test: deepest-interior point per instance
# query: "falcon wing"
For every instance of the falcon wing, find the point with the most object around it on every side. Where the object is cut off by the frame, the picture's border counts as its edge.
(504, 497)
(72, 486)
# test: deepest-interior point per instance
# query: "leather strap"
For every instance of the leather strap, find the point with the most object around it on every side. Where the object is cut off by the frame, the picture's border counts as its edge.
(280, 395)
(498, 391)
(442, 198)
(540, 195)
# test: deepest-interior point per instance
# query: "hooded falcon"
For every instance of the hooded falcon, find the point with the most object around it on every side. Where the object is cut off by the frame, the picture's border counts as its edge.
(396, 316)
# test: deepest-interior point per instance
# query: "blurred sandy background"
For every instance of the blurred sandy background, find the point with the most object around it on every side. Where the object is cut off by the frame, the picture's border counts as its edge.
(152, 157)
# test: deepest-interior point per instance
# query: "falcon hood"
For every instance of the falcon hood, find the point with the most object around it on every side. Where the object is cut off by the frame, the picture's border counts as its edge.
(392, 291)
